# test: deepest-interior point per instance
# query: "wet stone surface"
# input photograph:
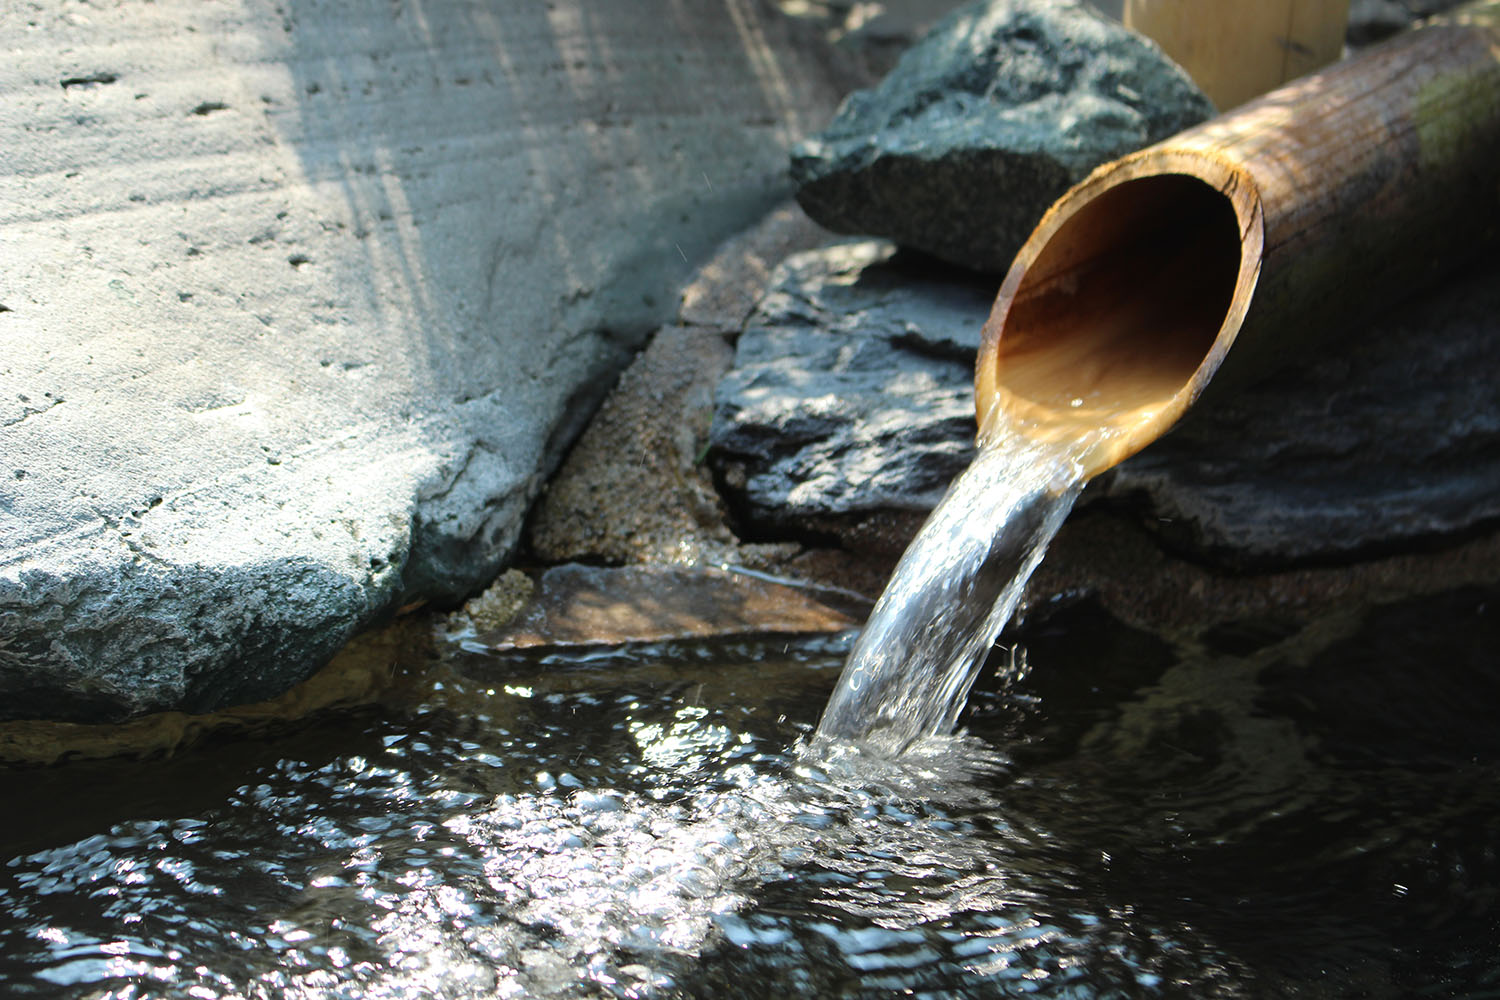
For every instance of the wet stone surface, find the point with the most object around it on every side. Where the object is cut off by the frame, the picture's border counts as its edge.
(607, 607)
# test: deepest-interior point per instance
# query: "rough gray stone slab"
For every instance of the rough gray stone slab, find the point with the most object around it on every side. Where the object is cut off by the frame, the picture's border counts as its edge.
(985, 122)
(852, 394)
(301, 301)
(851, 387)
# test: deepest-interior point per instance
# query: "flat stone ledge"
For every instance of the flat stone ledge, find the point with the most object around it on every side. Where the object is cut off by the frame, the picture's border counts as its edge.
(581, 606)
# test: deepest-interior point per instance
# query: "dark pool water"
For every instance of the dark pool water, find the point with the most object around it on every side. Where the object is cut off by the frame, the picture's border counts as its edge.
(1273, 808)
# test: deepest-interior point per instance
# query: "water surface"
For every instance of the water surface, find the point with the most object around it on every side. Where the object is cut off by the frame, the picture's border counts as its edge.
(1271, 809)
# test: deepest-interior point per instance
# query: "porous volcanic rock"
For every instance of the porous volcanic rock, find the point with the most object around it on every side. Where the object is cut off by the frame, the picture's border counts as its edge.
(985, 122)
(301, 302)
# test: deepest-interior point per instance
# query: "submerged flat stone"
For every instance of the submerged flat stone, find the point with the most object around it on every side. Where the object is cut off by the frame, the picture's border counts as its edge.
(578, 605)
(301, 303)
(980, 127)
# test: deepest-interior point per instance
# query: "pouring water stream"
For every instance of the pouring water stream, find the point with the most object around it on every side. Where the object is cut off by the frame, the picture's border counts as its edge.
(909, 674)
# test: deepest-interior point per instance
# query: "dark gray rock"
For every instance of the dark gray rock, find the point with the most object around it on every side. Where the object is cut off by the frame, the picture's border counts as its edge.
(851, 394)
(1385, 440)
(1372, 20)
(985, 122)
(851, 388)
(302, 301)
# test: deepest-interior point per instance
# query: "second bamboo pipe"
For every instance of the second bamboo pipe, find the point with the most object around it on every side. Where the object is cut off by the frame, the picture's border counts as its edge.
(1217, 253)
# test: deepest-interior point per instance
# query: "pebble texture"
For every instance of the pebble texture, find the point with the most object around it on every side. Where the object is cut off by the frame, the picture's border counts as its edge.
(635, 488)
(985, 122)
(851, 396)
(301, 301)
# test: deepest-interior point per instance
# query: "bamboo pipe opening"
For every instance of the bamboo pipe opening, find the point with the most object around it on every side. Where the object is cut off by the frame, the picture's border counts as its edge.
(1120, 306)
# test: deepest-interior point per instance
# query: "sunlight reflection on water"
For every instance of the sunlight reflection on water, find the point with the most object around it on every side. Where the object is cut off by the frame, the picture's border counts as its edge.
(656, 827)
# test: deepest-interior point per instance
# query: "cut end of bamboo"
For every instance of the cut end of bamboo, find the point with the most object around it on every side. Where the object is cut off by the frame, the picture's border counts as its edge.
(1121, 305)
(1318, 201)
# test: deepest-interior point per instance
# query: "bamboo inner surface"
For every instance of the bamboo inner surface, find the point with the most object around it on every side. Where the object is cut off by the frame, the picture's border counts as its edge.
(1120, 308)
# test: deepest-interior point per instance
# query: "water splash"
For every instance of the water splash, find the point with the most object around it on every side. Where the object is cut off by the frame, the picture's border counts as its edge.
(954, 589)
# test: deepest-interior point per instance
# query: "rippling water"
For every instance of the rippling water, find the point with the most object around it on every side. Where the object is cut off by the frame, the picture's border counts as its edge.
(1268, 809)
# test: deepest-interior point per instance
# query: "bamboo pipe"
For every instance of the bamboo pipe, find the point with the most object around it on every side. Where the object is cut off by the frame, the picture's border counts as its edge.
(1235, 50)
(1296, 214)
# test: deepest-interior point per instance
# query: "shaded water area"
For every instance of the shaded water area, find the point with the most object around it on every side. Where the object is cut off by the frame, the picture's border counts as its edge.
(1269, 808)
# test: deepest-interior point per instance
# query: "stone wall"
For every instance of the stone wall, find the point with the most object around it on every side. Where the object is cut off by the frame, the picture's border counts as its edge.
(302, 301)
